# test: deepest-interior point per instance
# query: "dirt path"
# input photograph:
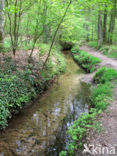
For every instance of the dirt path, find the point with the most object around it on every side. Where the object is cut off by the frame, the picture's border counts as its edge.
(107, 62)
(105, 142)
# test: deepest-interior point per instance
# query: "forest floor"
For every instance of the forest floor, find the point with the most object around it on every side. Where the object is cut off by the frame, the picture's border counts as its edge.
(21, 57)
(107, 138)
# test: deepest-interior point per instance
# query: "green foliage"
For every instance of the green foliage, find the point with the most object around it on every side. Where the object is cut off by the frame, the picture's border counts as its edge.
(109, 50)
(105, 74)
(56, 63)
(85, 60)
(4, 114)
(17, 88)
(93, 44)
(43, 48)
(7, 45)
(100, 99)
(75, 50)
(79, 128)
(101, 96)
(63, 153)
(25, 45)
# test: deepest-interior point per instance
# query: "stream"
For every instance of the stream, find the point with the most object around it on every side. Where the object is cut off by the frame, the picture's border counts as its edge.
(40, 130)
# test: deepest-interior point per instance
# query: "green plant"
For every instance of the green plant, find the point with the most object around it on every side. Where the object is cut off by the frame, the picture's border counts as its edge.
(85, 60)
(75, 49)
(105, 74)
(19, 87)
(4, 114)
(109, 50)
(93, 44)
(79, 129)
(63, 153)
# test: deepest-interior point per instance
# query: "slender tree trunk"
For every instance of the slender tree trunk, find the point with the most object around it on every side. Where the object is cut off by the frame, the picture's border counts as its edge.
(111, 29)
(88, 31)
(105, 25)
(1, 23)
(45, 26)
(53, 40)
(112, 23)
(36, 35)
(92, 33)
(100, 32)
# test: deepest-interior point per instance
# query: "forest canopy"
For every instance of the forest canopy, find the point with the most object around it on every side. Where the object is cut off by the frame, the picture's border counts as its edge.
(24, 23)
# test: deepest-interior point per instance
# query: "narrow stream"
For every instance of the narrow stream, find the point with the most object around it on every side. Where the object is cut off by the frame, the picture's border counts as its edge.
(41, 129)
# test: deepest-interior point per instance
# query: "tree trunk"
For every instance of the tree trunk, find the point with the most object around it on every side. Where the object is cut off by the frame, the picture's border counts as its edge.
(112, 23)
(53, 39)
(1, 23)
(45, 26)
(92, 33)
(88, 31)
(105, 25)
(100, 32)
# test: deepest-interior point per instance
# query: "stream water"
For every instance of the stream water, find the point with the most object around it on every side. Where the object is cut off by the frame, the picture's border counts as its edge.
(40, 130)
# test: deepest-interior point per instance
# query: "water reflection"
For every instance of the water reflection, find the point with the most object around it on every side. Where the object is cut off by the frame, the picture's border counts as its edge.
(77, 106)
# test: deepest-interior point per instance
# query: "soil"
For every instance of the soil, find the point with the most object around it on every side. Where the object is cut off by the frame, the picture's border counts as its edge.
(21, 58)
(107, 138)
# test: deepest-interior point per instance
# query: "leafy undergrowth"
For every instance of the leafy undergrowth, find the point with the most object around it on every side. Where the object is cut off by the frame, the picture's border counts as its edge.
(88, 62)
(102, 95)
(19, 85)
(105, 74)
(109, 50)
(93, 44)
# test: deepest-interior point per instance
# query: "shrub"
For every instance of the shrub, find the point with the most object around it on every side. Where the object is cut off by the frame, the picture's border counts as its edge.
(85, 60)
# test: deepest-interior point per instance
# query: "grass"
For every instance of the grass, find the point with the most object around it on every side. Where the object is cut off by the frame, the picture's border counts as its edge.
(88, 62)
